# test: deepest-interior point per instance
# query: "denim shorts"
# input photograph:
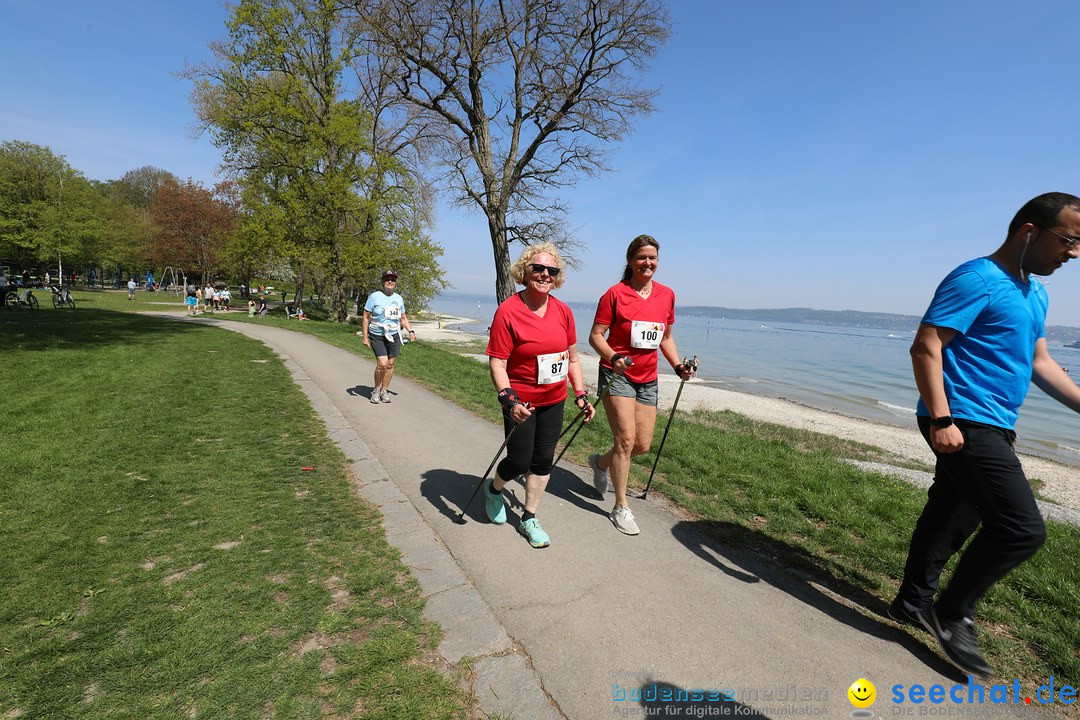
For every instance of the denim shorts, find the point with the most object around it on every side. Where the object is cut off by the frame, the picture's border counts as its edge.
(645, 393)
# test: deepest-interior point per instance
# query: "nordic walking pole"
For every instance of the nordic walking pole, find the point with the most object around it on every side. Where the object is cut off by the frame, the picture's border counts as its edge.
(692, 364)
(580, 415)
(460, 520)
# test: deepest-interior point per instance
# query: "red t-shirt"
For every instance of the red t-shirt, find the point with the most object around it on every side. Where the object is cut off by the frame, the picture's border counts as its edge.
(535, 348)
(628, 314)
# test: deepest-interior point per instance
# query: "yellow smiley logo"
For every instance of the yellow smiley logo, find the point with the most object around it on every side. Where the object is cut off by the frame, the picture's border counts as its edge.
(862, 693)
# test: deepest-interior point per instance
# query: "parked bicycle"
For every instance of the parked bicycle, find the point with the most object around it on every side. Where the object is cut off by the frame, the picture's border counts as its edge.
(61, 297)
(14, 299)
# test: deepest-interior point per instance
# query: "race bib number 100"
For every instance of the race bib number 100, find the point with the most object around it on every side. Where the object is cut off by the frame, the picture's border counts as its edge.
(646, 335)
(552, 368)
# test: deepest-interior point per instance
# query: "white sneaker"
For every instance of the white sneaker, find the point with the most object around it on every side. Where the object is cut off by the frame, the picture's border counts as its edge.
(375, 394)
(624, 520)
(600, 479)
(384, 395)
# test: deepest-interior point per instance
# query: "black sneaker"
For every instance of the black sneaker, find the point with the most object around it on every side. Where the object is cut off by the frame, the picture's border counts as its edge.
(899, 612)
(957, 638)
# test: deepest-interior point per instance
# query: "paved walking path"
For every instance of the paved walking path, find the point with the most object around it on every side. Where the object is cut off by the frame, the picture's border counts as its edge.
(598, 622)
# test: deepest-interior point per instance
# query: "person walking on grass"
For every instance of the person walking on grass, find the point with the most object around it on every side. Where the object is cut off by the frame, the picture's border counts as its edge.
(531, 354)
(131, 288)
(977, 349)
(633, 320)
(384, 316)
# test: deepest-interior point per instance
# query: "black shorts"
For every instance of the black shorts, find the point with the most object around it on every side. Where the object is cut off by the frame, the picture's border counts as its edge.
(384, 346)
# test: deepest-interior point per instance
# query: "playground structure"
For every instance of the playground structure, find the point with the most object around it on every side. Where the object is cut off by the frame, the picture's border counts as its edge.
(178, 284)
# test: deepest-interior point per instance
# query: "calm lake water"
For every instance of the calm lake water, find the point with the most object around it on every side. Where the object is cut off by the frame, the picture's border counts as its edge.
(860, 372)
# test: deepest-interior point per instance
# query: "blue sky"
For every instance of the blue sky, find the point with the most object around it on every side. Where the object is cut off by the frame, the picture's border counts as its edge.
(836, 155)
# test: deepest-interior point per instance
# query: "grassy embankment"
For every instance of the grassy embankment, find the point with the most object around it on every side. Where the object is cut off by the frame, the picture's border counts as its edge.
(181, 538)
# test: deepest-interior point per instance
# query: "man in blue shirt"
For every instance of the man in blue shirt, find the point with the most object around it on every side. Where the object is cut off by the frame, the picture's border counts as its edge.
(384, 316)
(980, 344)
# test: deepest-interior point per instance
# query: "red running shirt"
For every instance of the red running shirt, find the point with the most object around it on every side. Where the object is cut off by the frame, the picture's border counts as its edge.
(520, 336)
(626, 313)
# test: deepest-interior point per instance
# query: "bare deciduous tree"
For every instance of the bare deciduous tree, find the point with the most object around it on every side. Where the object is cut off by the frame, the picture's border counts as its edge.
(526, 95)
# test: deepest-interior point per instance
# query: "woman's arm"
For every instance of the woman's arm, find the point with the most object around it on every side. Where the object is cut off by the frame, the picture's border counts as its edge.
(599, 343)
(519, 411)
(577, 383)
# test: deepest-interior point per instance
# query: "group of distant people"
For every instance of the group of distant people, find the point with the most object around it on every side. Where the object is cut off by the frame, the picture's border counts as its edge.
(979, 345)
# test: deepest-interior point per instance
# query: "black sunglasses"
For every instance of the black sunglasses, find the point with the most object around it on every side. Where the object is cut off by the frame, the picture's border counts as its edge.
(539, 269)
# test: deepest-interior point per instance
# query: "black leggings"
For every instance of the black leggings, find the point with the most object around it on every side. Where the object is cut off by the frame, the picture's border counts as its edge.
(532, 447)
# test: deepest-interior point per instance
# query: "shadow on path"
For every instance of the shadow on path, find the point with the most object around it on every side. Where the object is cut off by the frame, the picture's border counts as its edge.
(363, 391)
(750, 556)
(664, 700)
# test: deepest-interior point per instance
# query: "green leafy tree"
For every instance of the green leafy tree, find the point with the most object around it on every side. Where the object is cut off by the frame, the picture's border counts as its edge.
(526, 95)
(30, 196)
(284, 104)
(137, 187)
(49, 212)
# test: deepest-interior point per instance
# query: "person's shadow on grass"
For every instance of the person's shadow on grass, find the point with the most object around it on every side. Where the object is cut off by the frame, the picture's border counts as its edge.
(739, 552)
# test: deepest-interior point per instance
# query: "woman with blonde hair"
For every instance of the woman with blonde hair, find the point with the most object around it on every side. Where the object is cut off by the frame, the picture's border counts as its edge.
(532, 354)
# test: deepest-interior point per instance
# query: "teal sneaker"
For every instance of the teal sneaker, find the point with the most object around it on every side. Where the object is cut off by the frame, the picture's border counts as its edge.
(534, 533)
(495, 507)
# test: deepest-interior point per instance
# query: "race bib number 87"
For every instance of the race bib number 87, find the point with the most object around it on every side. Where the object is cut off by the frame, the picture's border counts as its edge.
(552, 368)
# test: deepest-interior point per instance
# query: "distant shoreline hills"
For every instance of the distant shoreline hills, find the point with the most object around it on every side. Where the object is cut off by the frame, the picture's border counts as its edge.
(843, 318)
(808, 316)
(800, 316)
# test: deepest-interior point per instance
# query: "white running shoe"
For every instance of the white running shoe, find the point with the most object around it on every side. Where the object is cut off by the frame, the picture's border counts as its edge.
(624, 520)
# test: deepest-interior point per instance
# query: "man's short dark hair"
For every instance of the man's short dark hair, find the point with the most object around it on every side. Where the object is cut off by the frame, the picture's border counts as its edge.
(1043, 211)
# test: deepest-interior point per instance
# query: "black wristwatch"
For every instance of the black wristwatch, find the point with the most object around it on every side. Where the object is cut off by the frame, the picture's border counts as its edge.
(942, 422)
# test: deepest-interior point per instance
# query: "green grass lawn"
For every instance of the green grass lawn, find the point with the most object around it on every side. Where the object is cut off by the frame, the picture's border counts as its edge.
(181, 539)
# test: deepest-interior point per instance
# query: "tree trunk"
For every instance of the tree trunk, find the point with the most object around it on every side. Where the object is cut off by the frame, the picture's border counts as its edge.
(504, 284)
(298, 297)
(339, 308)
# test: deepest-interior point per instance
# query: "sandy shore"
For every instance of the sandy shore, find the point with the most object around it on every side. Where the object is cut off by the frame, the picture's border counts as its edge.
(1060, 483)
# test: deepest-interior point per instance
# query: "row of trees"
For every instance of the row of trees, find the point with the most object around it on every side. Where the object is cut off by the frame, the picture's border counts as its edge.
(338, 120)
(51, 214)
(338, 117)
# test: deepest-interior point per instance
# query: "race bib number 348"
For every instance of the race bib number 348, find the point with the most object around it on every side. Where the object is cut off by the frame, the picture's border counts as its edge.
(552, 368)
(392, 312)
